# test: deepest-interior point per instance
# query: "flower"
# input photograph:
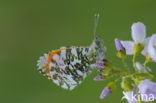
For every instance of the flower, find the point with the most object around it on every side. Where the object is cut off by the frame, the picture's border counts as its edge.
(121, 53)
(119, 45)
(138, 33)
(147, 87)
(151, 49)
(105, 92)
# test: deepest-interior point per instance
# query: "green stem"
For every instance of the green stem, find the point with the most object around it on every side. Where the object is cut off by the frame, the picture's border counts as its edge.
(133, 60)
(145, 63)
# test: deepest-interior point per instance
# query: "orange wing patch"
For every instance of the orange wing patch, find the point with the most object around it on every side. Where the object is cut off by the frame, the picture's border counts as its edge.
(50, 58)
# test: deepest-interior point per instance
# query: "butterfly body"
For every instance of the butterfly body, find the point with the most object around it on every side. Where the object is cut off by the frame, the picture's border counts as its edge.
(69, 66)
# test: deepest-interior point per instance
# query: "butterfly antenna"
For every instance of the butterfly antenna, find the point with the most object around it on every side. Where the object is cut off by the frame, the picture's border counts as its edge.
(96, 23)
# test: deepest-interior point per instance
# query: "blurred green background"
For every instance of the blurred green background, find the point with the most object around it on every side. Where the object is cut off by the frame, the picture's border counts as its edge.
(29, 28)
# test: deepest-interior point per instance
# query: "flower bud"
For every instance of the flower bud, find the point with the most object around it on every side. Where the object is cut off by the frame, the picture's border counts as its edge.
(98, 77)
(126, 85)
(121, 52)
(105, 92)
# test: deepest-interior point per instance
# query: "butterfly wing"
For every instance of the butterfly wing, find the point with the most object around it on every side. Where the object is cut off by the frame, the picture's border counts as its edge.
(66, 67)
(69, 66)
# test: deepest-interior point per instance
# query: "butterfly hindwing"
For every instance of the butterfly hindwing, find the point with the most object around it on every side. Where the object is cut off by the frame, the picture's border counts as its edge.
(69, 66)
(66, 67)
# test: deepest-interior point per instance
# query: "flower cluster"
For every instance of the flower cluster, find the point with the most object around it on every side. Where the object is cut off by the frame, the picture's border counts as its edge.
(137, 83)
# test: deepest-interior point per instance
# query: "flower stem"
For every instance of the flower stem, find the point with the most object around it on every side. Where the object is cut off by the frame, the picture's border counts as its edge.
(145, 63)
(133, 60)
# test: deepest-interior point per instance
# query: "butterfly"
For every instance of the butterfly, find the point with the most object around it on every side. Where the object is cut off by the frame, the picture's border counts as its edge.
(69, 66)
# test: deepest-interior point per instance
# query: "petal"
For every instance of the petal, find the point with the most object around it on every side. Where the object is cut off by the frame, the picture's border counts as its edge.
(152, 47)
(106, 91)
(118, 45)
(147, 87)
(98, 78)
(138, 32)
(146, 43)
(128, 45)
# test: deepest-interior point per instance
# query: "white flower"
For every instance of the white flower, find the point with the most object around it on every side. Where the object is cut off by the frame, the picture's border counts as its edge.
(138, 32)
